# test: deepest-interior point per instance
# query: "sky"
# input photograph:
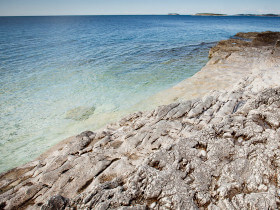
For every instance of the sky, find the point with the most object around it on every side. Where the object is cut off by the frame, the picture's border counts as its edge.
(126, 7)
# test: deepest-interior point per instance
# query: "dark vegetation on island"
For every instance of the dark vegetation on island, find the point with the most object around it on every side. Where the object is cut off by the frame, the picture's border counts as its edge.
(173, 14)
(209, 14)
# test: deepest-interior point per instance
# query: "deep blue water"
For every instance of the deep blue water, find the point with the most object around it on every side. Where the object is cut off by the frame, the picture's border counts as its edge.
(52, 65)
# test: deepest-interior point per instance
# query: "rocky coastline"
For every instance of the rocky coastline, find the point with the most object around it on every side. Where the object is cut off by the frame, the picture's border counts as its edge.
(217, 146)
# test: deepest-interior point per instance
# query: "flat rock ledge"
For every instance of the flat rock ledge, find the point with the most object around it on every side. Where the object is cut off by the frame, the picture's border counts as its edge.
(220, 151)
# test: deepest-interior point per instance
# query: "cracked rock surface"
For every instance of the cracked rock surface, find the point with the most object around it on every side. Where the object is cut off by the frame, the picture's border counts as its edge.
(219, 151)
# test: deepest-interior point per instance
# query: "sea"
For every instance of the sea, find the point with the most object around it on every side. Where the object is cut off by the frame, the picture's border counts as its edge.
(61, 75)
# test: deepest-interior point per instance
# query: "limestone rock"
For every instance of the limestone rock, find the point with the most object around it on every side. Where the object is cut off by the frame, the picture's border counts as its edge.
(56, 202)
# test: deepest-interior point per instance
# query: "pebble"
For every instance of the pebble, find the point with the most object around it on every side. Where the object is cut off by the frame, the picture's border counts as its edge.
(153, 205)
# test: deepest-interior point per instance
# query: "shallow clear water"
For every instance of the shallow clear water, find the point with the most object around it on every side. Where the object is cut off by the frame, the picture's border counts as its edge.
(54, 70)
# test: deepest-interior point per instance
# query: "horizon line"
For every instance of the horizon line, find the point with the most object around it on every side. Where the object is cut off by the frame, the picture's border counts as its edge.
(168, 14)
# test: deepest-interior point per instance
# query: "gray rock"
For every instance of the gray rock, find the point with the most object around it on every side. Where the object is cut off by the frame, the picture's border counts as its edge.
(56, 202)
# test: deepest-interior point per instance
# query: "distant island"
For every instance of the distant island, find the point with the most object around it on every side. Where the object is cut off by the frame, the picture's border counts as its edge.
(264, 15)
(173, 14)
(217, 14)
(209, 14)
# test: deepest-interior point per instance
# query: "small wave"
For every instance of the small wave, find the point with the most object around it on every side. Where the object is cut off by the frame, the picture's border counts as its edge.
(203, 44)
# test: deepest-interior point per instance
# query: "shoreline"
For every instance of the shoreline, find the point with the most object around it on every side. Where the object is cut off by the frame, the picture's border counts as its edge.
(224, 68)
(116, 163)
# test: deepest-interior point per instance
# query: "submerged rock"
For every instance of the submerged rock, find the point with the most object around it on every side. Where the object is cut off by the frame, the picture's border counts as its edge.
(220, 151)
(80, 113)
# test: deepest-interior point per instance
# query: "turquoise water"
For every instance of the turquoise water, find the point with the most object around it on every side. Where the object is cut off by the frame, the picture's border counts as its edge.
(62, 75)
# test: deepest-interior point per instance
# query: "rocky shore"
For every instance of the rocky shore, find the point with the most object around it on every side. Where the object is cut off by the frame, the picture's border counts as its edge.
(217, 149)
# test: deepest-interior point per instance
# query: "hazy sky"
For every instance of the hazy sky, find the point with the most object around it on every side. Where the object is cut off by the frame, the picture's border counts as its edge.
(99, 7)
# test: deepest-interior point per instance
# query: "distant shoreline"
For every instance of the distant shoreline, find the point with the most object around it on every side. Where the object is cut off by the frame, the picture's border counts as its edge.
(247, 15)
(169, 14)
